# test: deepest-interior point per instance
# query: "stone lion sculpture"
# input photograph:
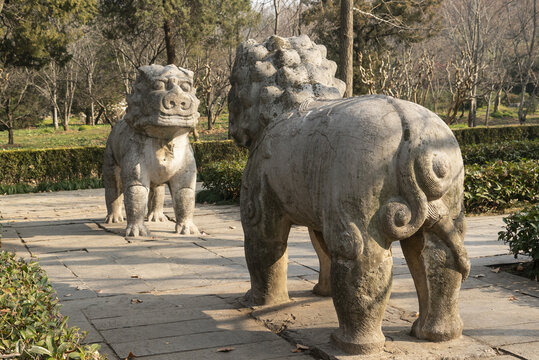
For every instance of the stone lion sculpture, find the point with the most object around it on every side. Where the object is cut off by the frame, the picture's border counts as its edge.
(360, 173)
(150, 147)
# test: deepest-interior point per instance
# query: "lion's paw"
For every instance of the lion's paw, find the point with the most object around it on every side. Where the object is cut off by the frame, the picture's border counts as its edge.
(114, 218)
(187, 228)
(137, 230)
(157, 216)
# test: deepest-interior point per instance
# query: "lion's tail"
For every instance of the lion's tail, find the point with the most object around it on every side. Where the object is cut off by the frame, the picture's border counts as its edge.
(425, 172)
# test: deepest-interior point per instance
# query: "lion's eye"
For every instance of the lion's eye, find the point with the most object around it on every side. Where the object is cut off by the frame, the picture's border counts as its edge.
(159, 85)
(185, 86)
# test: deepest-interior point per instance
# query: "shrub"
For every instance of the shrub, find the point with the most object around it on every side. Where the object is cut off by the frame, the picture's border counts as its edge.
(31, 326)
(497, 114)
(522, 234)
(208, 152)
(500, 185)
(505, 151)
(50, 165)
(90, 183)
(224, 178)
(84, 127)
(496, 134)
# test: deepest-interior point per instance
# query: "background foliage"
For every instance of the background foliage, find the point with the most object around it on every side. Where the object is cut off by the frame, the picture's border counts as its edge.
(522, 235)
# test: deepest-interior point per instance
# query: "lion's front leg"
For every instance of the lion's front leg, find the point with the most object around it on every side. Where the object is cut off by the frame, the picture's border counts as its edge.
(136, 199)
(182, 188)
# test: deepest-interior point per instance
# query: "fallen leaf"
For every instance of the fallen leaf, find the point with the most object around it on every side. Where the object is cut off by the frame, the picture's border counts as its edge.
(134, 277)
(67, 295)
(130, 356)
(203, 233)
(512, 298)
(232, 227)
(299, 348)
(225, 349)
(496, 270)
(136, 301)
(99, 291)
(520, 267)
(416, 314)
(479, 276)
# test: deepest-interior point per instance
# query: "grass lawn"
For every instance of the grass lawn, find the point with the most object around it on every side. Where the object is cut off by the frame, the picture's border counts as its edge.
(44, 136)
(505, 116)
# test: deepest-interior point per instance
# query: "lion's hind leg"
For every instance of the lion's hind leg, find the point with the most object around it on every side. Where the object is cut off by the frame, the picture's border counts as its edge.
(437, 276)
(361, 276)
(156, 198)
(113, 189)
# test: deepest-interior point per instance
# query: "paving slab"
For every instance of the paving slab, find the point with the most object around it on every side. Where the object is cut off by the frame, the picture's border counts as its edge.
(168, 296)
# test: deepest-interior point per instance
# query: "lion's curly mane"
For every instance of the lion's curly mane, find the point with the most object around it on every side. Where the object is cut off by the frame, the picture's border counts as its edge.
(275, 77)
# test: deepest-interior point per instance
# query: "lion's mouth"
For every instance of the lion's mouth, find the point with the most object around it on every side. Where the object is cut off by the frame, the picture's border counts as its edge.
(176, 120)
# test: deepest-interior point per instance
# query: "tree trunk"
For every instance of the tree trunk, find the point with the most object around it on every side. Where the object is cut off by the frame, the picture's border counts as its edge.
(195, 134)
(488, 108)
(521, 112)
(209, 111)
(472, 113)
(277, 12)
(54, 113)
(90, 114)
(498, 99)
(10, 139)
(169, 42)
(347, 42)
(65, 122)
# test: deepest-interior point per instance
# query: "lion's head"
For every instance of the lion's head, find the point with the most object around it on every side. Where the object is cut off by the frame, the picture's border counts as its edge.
(163, 101)
(274, 78)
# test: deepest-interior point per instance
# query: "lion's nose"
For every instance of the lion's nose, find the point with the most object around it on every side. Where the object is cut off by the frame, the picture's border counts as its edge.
(176, 99)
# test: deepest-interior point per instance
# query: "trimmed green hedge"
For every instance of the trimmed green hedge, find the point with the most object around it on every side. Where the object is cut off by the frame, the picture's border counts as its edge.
(31, 326)
(505, 151)
(50, 165)
(34, 167)
(224, 178)
(492, 135)
(208, 152)
(500, 185)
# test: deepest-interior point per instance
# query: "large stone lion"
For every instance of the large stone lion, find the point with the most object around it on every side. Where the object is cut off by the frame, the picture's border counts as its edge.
(150, 147)
(360, 173)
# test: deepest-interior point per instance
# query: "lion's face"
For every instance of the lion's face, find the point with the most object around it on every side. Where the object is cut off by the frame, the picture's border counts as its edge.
(163, 101)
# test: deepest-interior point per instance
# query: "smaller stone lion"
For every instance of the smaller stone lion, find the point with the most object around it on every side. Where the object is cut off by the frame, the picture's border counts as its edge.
(150, 147)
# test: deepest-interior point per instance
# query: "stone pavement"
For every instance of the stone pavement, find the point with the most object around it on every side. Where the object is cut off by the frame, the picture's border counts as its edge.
(179, 297)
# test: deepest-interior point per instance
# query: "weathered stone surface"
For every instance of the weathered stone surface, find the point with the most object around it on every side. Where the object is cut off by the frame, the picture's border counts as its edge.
(529, 350)
(249, 334)
(275, 350)
(150, 147)
(360, 173)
